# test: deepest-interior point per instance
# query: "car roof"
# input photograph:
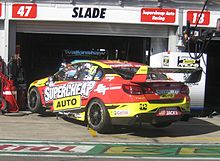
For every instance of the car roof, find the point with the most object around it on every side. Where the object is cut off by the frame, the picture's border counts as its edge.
(111, 63)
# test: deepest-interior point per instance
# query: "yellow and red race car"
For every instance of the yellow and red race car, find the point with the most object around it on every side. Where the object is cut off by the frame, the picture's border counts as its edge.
(111, 92)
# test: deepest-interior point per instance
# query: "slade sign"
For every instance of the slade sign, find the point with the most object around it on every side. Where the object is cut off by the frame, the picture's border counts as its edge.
(80, 12)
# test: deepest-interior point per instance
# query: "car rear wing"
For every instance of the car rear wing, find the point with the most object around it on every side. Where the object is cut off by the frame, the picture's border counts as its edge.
(192, 75)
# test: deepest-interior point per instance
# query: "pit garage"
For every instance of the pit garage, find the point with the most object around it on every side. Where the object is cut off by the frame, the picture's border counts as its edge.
(42, 54)
(44, 45)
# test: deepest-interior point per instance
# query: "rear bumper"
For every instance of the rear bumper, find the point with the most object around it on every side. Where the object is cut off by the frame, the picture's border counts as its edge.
(149, 118)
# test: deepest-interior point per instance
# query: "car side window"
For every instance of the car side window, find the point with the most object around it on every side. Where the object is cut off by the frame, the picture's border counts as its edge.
(98, 74)
(88, 71)
(71, 72)
(60, 76)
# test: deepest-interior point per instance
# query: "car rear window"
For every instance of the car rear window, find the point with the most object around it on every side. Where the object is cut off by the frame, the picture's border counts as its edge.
(128, 73)
(157, 76)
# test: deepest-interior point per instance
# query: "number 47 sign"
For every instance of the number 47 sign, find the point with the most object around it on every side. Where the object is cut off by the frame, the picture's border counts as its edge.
(24, 10)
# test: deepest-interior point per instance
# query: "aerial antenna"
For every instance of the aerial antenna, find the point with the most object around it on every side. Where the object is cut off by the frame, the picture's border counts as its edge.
(200, 15)
(199, 42)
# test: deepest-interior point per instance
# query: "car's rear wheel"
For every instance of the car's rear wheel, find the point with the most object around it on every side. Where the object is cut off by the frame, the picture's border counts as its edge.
(97, 116)
(34, 101)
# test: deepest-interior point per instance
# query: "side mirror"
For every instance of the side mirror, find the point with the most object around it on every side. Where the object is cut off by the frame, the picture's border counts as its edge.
(50, 78)
(194, 76)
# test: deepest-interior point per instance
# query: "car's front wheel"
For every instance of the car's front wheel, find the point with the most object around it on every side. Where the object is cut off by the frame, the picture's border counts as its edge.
(97, 116)
(34, 101)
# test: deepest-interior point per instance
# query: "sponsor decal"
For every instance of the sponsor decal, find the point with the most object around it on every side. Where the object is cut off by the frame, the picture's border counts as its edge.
(109, 78)
(67, 90)
(102, 88)
(186, 61)
(142, 70)
(121, 113)
(169, 95)
(69, 52)
(158, 15)
(166, 61)
(24, 10)
(80, 12)
(30, 148)
(97, 150)
(67, 103)
(167, 91)
(193, 17)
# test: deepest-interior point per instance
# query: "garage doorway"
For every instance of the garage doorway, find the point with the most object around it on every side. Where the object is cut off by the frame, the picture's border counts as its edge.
(212, 95)
(42, 54)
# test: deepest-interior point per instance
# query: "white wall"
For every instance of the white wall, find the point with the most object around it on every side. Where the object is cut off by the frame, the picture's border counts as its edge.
(2, 40)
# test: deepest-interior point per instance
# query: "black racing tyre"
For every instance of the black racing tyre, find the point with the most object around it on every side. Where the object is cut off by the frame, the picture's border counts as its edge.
(3, 105)
(161, 124)
(34, 101)
(97, 116)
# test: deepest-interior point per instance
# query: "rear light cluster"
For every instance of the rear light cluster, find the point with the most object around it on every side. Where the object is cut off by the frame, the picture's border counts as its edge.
(184, 90)
(136, 89)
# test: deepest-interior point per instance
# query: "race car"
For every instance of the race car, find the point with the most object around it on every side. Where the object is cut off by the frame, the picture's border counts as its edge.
(111, 92)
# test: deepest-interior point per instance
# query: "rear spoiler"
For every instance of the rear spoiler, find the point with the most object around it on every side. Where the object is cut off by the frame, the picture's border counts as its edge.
(193, 74)
(141, 75)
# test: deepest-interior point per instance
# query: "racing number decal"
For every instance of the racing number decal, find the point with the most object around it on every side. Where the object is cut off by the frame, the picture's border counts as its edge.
(143, 106)
(67, 103)
(24, 10)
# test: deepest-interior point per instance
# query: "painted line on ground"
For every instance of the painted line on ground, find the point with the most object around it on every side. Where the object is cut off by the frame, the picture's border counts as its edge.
(109, 150)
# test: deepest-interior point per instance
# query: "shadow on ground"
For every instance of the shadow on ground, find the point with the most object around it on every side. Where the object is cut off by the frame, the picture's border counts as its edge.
(179, 129)
(195, 126)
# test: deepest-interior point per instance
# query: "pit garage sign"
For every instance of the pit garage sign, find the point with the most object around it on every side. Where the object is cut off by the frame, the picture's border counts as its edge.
(158, 15)
(22, 10)
(2, 11)
(207, 18)
(193, 17)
